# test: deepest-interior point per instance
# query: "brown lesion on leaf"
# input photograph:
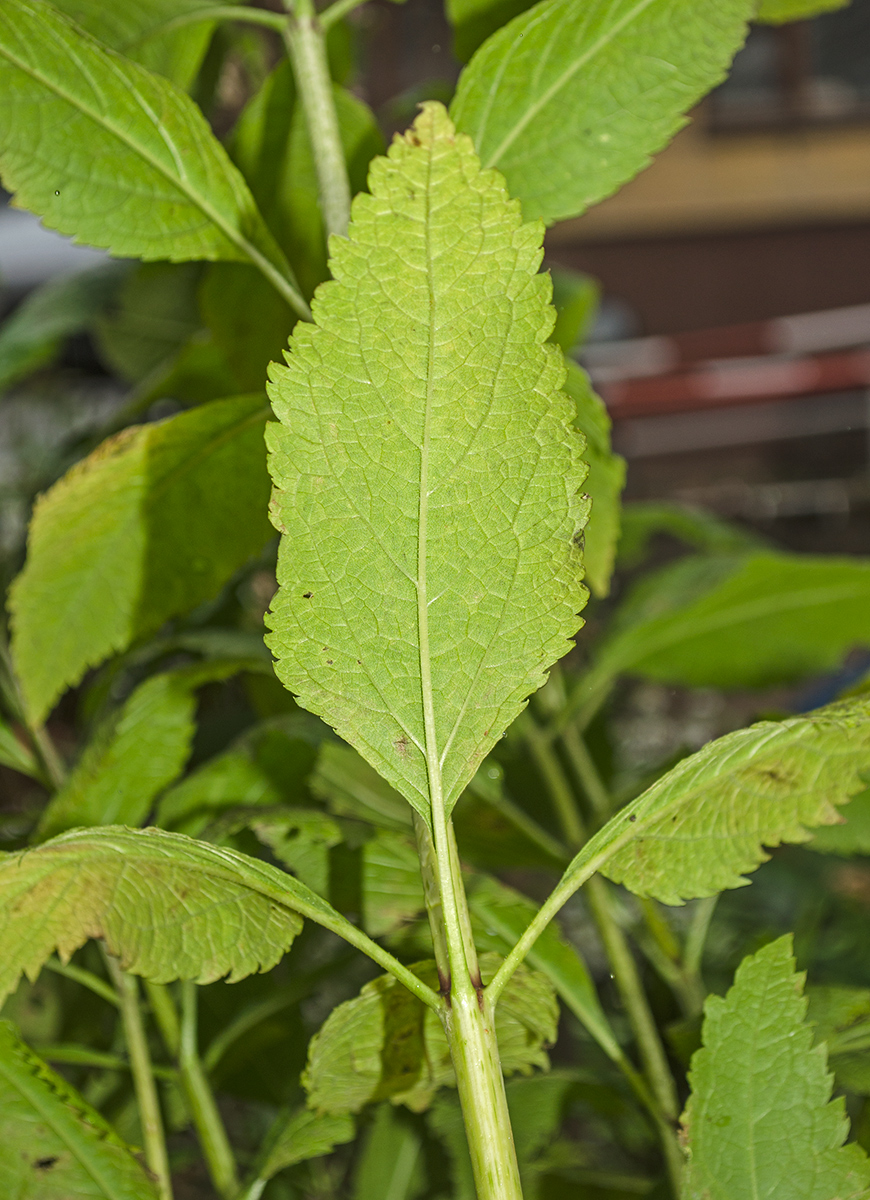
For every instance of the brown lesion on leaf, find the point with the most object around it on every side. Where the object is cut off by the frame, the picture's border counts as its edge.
(401, 745)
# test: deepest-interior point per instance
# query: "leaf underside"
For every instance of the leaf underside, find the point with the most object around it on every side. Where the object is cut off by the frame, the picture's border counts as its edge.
(760, 1122)
(426, 475)
(168, 907)
(705, 823)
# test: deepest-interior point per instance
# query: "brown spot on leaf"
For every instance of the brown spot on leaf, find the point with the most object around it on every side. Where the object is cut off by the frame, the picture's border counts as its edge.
(401, 745)
(45, 1164)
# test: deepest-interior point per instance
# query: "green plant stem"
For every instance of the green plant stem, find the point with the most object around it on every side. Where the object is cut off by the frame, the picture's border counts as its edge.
(164, 1012)
(693, 951)
(86, 978)
(619, 955)
(306, 46)
(336, 11)
(215, 12)
(82, 1056)
(206, 1118)
(587, 774)
(143, 1076)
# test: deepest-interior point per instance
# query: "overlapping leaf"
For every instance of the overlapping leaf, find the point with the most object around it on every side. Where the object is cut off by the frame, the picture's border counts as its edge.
(425, 474)
(300, 1135)
(105, 150)
(54, 1145)
(705, 823)
(168, 907)
(853, 836)
(760, 1121)
(384, 1044)
(778, 12)
(153, 522)
(573, 97)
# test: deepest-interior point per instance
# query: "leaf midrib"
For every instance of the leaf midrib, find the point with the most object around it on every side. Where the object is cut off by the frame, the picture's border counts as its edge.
(198, 201)
(544, 99)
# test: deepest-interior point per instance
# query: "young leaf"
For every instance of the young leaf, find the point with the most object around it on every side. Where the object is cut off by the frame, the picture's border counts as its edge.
(300, 1135)
(32, 336)
(168, 907)
(700, 827)
(853, 836)
(135, 30)
(604, 482)
(149, 525)
(778, 12)
(426, 486)
(572, 98)
(741, 621)
(53, 1145)
(384, 1045)
(760, 1121)
(128, 164)
(134, 755)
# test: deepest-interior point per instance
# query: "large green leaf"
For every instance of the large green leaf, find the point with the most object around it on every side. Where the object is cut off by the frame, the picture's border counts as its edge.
(152, 523)
(572, 98)
(167, 906)
(474, 21)
(53, 1145)
(105, 150)
(760, 1121)
(32, 336)
(778, 12)
(138, 751)
(745, 620)
(604, 482)
(425, 474)
(384, 1045)
(136, 31)
(706, 822)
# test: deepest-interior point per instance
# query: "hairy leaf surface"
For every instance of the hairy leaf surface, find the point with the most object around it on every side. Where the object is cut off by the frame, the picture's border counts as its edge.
(425, 475)
(149, 525)
(53, 1145)
(105, 150)
(572, 98)
(704, 823)
(760, 1120)
(384, 1044)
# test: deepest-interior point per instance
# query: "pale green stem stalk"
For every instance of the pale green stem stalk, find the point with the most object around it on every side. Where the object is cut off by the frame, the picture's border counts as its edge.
(86, 978)
(306, 45)
(619, 955)
(587, 774)
(143, 1077)
(77, 1055)
(206, 1118)
(53, 769)
(164, 1012)
(693, 950)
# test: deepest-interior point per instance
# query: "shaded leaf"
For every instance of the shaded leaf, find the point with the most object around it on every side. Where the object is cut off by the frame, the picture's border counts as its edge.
(705, 822)
(149, 525)
(741, 621)
(391, 1163)
(575, 298)
(135, 30)
(853, 836)
(135, 753)
(128, 163)
(301, 839)
(15, 754)
(474, 21)
(571, 99)
(392, 890)
(642, 520)
(759, 1120)
(841, 1017)
(389, 595)
(351, 788)
(604, 483)
(300, 1135)
(385, 1045)
(53, 1145)
(32, 336)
